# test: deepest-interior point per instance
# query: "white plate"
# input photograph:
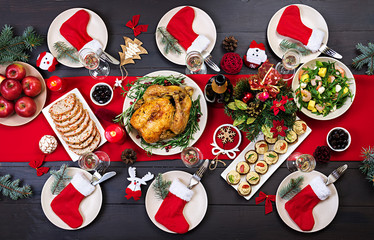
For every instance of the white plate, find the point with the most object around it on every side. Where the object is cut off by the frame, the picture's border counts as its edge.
(72, 155)
(271, 168)
(203, 119)
(194, 211)
(348, 102)
(323, 213)
(309, 16)
(202, 24)
(89, 207)
(96, 29)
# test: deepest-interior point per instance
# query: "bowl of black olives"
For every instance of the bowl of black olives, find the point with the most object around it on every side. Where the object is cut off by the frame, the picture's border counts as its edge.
(101, 94)
(338, 139)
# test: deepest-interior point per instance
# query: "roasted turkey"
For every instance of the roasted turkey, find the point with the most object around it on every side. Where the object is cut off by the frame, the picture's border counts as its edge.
(162, 113)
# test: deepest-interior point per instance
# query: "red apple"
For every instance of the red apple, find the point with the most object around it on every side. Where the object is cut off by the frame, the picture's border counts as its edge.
(31, 86)
(2, 78)
(10, 89)
(25, 106)
(6, 107)
(15, 71)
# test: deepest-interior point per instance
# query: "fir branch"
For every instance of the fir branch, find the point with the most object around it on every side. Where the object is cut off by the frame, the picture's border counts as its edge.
(171, 44)
(60, 179)
(65, 51)
(292, 188)
(161, 187)
(366, 58)
(12, 189)
(286, 44)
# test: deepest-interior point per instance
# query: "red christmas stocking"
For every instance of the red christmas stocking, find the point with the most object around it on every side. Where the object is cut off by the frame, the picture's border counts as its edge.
(300, 207)
(66, 204)
(170, 213)
(74, 30)
(290, 25)
(180, 27)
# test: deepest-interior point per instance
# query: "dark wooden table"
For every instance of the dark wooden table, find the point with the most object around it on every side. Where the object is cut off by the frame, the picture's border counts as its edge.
(229, 216)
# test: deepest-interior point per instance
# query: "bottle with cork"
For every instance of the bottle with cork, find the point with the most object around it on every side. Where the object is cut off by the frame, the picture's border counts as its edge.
(218, 90)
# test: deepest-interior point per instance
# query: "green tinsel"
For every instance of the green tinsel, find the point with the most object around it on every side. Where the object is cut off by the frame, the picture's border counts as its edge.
(14, 48)
(366, 58)
(61, 179)
(161, 186)
(367, 166)
(12, 190)
(171, 44)
(65, 51)
(292, 188)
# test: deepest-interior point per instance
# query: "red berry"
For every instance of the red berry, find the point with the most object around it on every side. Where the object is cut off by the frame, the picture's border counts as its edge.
(182, 81)
(198, 115)
(198, 120)
(137, 136)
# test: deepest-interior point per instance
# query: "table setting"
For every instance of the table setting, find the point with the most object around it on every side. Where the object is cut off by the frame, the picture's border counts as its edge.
(168, 124)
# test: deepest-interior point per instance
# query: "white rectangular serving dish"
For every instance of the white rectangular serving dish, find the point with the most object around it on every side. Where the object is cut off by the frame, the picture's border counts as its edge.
(271, 169)
(74, 157)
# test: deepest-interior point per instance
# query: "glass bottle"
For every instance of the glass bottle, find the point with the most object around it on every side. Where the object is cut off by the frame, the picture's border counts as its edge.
(218, 90)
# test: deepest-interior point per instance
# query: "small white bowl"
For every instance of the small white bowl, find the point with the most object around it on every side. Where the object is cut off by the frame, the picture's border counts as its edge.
(94, 101)
(338, 150)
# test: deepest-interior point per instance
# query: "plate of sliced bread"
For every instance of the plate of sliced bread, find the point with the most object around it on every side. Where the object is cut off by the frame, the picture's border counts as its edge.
(75, 124)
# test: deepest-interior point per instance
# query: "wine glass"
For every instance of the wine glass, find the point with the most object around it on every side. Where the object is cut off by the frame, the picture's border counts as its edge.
(98, 68)
(302, 162)
(97, 161)
(195, 63)
(290, 61)
(191, 157)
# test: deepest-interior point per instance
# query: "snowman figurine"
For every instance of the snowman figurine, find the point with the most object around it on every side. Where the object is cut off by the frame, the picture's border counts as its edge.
(46, 61)
(255, 55)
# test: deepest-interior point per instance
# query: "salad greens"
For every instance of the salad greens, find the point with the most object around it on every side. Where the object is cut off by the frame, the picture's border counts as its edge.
(323, 89)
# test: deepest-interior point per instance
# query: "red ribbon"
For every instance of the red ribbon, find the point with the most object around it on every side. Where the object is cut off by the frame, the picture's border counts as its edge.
(135, 194)
(268, 199)
(36, 164)
(137, 29)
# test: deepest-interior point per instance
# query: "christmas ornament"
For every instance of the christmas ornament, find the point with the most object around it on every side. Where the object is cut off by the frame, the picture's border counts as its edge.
(300, 207)
(262, 96)
(322, 154)
(255, 55)
(133, 189)
(37, 165)
(170, 213)
(11, 189)
(66, 204)
(46, 61)
(14, 48)
(66, 51)
(227, 134)
(60, 180)
(366, 58)
(231, 63)
(247, 97)
(180, 27)
(137, 29)
(292, 188)
(290, 25)
(230, 44)
(268, 199)
(48, 144)
(128, 156)
(161, 186)
(115, 134)
(171, 44)
(55, 83)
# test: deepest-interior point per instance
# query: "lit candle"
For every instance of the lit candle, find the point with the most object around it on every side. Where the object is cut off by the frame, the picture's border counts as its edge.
(115, 134)
(54, 83)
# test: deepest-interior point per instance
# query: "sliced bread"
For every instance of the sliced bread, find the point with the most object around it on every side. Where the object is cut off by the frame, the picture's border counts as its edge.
(64, 105)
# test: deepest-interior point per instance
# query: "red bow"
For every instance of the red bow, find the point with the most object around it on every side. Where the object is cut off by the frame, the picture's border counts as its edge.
(268, 199)
(36, 164)
(135, 194)
(137, 29)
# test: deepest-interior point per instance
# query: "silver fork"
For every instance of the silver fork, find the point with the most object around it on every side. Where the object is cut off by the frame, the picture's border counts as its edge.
(208, 60)
(336, 174)
(328, 51)
(196, 177)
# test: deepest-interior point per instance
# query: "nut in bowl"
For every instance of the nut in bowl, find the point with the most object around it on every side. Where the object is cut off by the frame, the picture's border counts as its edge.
(338, 139)
(101, 94)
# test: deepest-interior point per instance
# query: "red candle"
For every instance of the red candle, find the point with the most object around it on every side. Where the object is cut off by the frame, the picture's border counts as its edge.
(54, 83)
(115, 134)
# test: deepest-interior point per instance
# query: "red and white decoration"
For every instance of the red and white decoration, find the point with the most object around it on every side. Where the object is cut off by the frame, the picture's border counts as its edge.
(180, 27)
(46, 61)
(66, 204)
(170, 213)
(300, 207)
(133, 190)
(255, 55)
(226, 140)
(290, 25)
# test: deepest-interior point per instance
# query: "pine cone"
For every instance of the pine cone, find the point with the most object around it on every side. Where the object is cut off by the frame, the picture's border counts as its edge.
(322, 154)
(128, 156)
(230, 44)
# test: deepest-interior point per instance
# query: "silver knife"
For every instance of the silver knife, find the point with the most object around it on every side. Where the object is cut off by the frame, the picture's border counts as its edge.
(196, 177)
(107, 57)
(106, 176)
(328, 51)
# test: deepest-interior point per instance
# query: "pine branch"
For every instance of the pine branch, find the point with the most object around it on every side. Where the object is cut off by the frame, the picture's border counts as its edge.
(366, 58)
(292, 188)
(65, 51)
(12, 189)
(285, 45)
(60, 179)
(171, 44)
(161, 187)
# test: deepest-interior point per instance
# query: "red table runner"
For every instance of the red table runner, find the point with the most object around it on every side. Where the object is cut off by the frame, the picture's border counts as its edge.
(20, 144)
